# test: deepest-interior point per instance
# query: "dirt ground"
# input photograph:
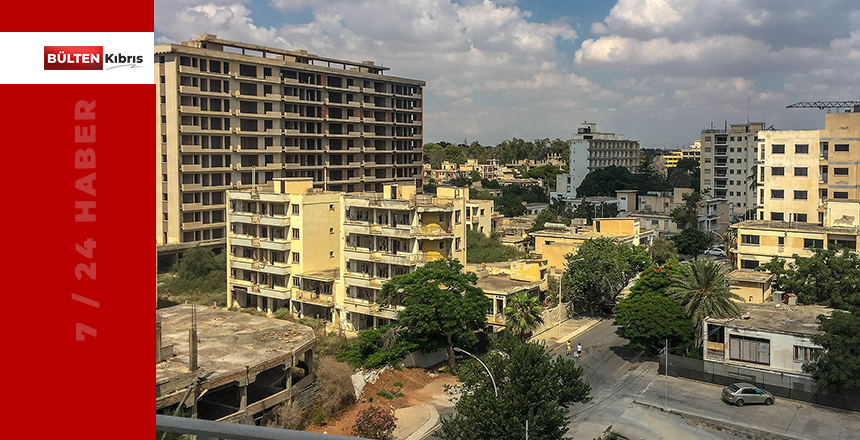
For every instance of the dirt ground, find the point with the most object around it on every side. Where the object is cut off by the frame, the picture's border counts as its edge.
(419, 387)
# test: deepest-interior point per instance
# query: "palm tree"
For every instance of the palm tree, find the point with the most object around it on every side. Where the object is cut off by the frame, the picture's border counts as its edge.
(523, 314)
(730, 239)
(703, 290)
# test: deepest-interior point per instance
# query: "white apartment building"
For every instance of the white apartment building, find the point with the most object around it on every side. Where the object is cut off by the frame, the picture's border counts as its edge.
(727, 158)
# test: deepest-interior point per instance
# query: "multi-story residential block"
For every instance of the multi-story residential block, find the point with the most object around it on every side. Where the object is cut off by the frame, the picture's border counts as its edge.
(479, 215)
(590, 150)
(811, 199)
(655, 211)
(231, 114)
(694, 152)
(727, 159)
(327, 254)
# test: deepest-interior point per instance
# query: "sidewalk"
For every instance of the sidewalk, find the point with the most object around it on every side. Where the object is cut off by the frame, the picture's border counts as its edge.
(786, 418)
(415, 422)
(568, 329)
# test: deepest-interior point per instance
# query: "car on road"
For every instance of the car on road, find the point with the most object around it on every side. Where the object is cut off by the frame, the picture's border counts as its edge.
(607, 306)
(717, 252)
(740, 394)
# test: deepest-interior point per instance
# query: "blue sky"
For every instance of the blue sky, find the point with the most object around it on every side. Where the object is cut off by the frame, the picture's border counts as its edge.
(657, 71)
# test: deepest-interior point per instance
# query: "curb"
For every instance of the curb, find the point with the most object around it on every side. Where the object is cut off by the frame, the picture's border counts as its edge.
(733, 425)
(579, 331)
(428, 426)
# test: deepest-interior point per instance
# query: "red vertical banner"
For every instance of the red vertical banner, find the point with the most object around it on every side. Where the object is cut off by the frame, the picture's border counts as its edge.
(80, 259)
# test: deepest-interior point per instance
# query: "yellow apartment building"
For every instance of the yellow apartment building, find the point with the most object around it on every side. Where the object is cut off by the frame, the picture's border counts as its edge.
(479, 215)
(355, 243)
(230, 115)
(802, 212)
(553, 244)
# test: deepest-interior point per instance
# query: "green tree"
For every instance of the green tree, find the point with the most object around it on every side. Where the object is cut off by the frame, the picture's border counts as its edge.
(703, 289)
(510, 206)
(685, 174)
(199, 270)
(692, 242)
(647, 178)
(600, 270)
(730, 241)
(523, 314)
(441, 304)
(533, 385)
(687, 216)
(829, 276)
(475, 176)
(434, 154)
(663, 251)
(649, 319)
(605, 181)
(655, 280)
(548, 215)
(837, 366)
(377, 347)
(483, 249)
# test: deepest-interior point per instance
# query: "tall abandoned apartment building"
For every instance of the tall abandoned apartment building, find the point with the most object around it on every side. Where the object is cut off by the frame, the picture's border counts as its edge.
(232, 115)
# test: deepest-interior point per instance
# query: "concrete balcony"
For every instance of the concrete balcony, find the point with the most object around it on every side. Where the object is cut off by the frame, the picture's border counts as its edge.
(432, 230)
(367, 308)
(363, 280)
(363, 254)
(309, 297)
(364, 228)
(263, 243)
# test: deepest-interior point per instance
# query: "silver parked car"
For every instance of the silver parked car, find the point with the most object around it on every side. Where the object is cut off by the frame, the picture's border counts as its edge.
(743, 393)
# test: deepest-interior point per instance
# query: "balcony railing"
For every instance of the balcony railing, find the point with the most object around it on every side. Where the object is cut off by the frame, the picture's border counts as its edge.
(209, 430)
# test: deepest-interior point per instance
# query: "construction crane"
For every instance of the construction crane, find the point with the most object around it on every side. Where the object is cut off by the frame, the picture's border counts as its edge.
(855, 105)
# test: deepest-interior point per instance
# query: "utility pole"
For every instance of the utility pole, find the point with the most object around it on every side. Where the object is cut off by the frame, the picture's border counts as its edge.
(666, 401)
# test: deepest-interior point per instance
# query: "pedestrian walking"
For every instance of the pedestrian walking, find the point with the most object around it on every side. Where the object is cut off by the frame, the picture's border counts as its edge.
(578, 350)
(568, 348)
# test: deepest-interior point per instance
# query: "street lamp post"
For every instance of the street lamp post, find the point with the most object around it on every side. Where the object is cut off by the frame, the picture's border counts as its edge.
(496, 390)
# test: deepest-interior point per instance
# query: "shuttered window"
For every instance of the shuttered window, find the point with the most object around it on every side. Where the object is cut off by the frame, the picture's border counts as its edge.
(749, 349)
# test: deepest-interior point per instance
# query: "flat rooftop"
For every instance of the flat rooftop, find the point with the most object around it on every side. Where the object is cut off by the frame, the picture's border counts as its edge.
(750, 276)
(502, 284)
(794, 226)
(227, 342)
(777, 318)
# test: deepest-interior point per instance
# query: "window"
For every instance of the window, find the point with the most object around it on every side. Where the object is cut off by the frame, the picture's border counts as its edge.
(840, 171)
(777, 149)
(295, 209)
(840, 147)
(331, 230)
(777, 193)
(800, 195)
(781, 241)
(707, 160)
(749, 264)
(331, 254)
(457, 243)
(777, 171)
(164, 214)
(800, 218)
(707, 171)
(707, 182)
(749, 349)
(163, 119)
(809, 243)
(801, 149)
(840, 194)
(708, 149)
(801, 171)
(164, 196)
(296, 281)
(296, 258)
(295, 233)
(805, 354)
(749, 239)
(777, 216)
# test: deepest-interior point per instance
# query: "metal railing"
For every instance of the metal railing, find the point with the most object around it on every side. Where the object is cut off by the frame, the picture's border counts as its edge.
(209, 430)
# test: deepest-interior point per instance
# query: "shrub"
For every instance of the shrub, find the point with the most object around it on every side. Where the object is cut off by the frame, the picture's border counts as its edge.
(376, 348)
(336, 391)
(374, 422)
(288, 415)
(284, 314)
(385, 394)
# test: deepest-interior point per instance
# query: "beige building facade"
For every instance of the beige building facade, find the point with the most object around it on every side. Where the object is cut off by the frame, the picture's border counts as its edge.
(231, 115)
(553, 244)
(327, 254)
(803, 212)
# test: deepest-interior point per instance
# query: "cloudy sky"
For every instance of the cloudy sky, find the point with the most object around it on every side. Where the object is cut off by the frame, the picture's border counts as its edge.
(657, 71)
